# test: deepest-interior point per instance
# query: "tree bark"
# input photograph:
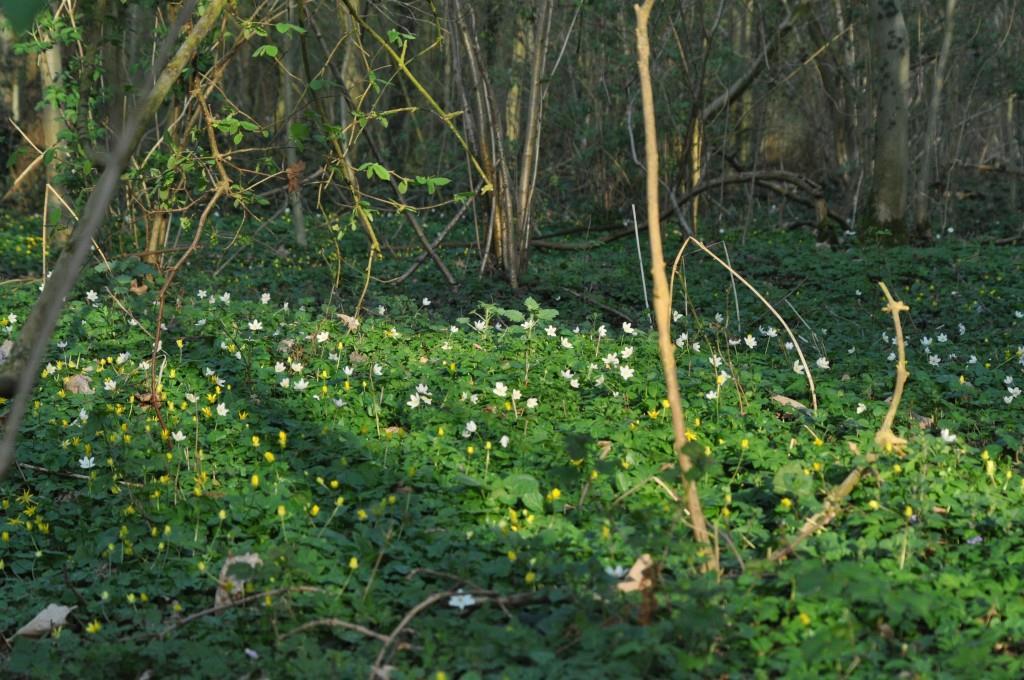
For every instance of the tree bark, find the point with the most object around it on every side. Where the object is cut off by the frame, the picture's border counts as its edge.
(922, 221)
(891, 84)
(50, 68)
(291, 61)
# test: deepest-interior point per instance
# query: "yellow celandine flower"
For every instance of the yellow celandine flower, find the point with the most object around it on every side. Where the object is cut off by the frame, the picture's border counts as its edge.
(362, 515)
(255, 481)
(314, 511)
(818, 441)
(269, 456)
(873, 504)
(339, 501)
(744, 443)
(201, 566)
(805, 618)
(908, 512)
(530, 577)
(256, 441)
(554, 494)
(512, 557)
(282, 511)
(222, 515)
(93, 627)
(335, 483)
(353, 563)
(282, 438)
(440, 432)
(471, 449)
(786, 503)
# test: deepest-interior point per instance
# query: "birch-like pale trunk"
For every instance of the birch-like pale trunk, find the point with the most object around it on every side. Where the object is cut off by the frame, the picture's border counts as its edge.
(891, 85)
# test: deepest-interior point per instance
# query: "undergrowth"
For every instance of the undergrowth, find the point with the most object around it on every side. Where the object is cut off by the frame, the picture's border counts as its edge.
(505, 458)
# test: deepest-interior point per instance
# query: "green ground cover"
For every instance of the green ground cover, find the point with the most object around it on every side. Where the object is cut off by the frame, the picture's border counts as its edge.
(516, 446)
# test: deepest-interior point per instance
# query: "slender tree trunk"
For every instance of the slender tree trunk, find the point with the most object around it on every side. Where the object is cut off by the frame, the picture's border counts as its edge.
(50, 68)
(294, 164)
(922, 221)
(530, 157)
(662, 296)
(19, 373)
(1011, 133)
(891, 84)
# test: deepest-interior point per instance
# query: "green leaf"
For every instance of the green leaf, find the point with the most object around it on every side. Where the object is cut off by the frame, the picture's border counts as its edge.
(21, 13)
(534, 501)
(299, 132)
(403, 186)
(790, 480)
(283, 27)
(266, 51)
(522, 484)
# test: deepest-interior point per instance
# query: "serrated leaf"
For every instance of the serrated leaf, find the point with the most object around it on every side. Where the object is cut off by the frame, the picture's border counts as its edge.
(790, 480)
(533, 501)
(522, 484)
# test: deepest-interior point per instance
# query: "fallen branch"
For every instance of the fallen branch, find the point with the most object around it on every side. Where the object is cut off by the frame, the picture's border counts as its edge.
(883, 438)
(334, 623)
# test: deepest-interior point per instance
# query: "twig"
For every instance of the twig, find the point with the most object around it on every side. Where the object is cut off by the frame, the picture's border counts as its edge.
(334, 623)
(597, 303)
(236, 603)
(640, 259)
(377, 670)
(764, 301)
(885, 436)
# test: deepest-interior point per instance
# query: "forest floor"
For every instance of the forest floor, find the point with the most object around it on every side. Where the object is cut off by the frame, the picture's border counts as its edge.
(459, 486)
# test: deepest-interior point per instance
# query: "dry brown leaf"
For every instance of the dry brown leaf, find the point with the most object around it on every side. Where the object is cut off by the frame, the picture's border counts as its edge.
(42, 623)
(604, 448)
(351, 322)
(137, 288)
(230, 588)
(791, 403)
(636, 580)
(78, 384)
(5, 350)
(147, 399)
(357, 357)
(294, 172)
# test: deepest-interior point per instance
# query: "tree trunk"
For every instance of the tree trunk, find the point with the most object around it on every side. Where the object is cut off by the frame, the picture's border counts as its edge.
(922, 221)
(891, 84)
(291, 60)
(50, 67)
